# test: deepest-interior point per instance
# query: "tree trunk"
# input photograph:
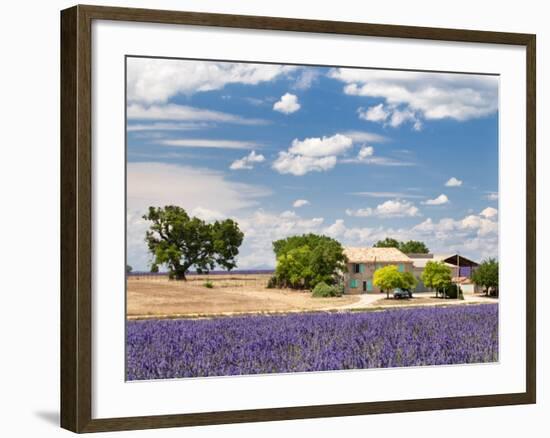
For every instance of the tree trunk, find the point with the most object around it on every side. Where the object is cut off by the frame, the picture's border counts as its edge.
(387, 294)
(178, 273)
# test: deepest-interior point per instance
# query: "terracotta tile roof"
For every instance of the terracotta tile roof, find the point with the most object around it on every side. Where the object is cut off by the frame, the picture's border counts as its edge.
(383, 255)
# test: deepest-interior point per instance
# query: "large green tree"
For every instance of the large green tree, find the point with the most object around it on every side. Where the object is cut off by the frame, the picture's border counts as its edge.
(180, 242)
(437, 275)
(389, 277)
(306, 260)
(413, 247)
(486, 275)
(388, 242)
(409, 247)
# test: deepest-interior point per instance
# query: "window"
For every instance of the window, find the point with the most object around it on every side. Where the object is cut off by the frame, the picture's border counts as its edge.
(353, 283)
(356, 268)
(361, 268)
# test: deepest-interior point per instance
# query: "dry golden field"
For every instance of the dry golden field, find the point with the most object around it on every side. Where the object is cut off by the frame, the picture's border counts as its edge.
(149, 296)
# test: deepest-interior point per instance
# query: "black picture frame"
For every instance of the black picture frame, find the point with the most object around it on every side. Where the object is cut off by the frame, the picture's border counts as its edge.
(76, 218)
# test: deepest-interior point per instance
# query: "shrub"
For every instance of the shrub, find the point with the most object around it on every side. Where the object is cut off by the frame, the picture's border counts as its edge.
(453, 291)
(273, 282)
(208, 284)
(323, 290)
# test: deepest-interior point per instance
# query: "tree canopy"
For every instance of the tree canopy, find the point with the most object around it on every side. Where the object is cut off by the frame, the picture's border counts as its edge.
(389, 277)
(306, 260)
(411, 246)
(437, 275)
(180, 242)
(388, 242)
(486, 275)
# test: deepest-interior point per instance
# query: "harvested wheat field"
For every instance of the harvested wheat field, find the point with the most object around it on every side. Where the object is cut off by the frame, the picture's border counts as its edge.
(149, 296)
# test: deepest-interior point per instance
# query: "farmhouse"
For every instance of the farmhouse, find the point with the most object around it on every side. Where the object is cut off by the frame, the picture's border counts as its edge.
(462, 269)
(362, 262)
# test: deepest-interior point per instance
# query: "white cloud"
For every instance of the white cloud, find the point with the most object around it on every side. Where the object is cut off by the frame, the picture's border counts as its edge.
(398, 117)
(453, 182)
(470, 237)
(389, 209)
(300, 203)
(288, 104)
(206, 214)
(365, 137)
(319, 154)
(261, 228)
(159, 184)
(209, 143)
(492, 196)
(247, 162)
(389, 115)
(365, 152)
(489, 212)
(172, 111)
(440, 200)
(320, 147)
(376, 113)
(157, 80)
(414, 95)
(300, 164)
(136, 127)
(386, 195)
(447, 228)
(306, 78)
(312, 154)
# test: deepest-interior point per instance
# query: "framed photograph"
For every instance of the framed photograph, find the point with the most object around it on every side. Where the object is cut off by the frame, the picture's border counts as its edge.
(269, 219)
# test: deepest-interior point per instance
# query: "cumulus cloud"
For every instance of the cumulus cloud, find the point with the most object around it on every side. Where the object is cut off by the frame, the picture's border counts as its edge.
(413, 96)
(306, 78)
(389, 115)
(157, 80)
(300, 203)
(453, 182)
(300, 164)
(492, 196)
(287, 104)
(312, 154)
(365, 152)
(320, 147)
(489, 212)
(174, 112)
(322, 153)
(473, 238)
(389, 209)
(440, 200)
(376, 113)
(247, 162)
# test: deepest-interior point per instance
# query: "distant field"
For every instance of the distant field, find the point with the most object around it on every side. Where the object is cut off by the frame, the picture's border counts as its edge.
(149, 296)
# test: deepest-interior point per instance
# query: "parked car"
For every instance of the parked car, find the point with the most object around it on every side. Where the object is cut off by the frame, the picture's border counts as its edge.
(402, 293)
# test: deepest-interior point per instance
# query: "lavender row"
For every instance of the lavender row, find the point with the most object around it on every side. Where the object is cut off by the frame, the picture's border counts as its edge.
(159, 349)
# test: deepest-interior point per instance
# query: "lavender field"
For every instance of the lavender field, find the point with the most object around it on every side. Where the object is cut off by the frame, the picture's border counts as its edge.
(160, 349)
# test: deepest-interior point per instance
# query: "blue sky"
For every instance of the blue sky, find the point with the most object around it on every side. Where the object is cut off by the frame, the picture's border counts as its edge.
(355, 154)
